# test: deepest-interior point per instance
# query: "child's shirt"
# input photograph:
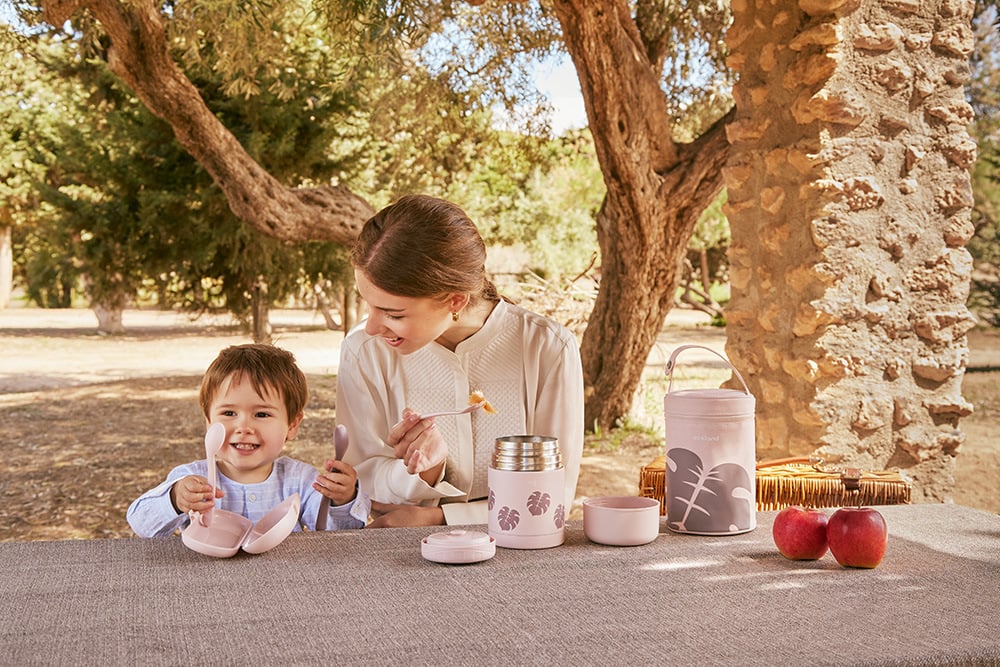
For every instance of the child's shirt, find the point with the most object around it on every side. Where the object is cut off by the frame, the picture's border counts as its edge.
(153, 515)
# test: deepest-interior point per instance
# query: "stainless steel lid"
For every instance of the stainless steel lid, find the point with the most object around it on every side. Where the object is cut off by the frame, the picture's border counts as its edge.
(526, 453)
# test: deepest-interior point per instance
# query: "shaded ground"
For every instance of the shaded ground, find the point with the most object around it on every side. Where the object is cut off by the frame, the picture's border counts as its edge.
(90, 422)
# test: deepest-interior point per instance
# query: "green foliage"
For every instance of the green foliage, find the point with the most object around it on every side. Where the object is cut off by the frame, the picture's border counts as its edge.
(33, 102)
(130, 211)
(712, 228)
(546, 205)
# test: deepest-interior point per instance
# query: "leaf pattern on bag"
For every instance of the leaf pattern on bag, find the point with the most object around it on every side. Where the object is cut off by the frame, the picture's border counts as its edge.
(508, 518)
(712, 501)
(560, 516)
(538, 503)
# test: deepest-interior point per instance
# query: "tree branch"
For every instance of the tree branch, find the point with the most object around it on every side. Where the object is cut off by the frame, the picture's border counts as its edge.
(140, 56)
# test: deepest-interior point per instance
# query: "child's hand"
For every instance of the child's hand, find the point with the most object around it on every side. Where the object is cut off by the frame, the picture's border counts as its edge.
(193, 493)
(338, 482)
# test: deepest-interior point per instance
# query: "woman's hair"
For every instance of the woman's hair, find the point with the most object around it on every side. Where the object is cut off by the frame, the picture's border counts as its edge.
(268, 368)
(422, 246)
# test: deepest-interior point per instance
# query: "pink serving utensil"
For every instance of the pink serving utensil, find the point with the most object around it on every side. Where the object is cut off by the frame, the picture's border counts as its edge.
(215, 436)
(340, 442)
(463, 411)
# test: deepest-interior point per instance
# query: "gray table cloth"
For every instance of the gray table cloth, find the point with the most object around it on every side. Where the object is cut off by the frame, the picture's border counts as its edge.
(368, 597)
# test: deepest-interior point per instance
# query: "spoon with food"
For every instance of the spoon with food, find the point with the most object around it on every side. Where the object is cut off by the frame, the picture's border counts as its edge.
(476, 401)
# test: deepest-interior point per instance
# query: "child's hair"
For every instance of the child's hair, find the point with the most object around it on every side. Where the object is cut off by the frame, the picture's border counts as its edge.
(268, 368)
(422, 246)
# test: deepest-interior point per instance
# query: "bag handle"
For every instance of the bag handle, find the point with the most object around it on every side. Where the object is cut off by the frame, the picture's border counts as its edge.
(673, 357)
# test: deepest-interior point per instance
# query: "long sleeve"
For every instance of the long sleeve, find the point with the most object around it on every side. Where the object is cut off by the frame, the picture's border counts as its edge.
(557, 376)
(371, 396)
(152, 514)
(526, 365)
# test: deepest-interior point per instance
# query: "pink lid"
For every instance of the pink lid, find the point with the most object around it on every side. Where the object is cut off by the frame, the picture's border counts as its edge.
(708, 403)
(458, 546)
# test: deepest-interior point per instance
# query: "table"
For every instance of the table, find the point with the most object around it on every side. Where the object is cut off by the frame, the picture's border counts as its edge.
(368, 597)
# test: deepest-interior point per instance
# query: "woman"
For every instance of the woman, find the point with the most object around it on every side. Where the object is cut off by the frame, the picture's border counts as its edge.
(437, 330)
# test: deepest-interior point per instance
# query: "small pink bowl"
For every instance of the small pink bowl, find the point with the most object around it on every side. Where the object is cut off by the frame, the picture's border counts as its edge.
(623, 521)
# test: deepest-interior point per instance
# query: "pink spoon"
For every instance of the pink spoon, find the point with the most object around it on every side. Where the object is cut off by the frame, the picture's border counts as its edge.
(467, 409)
(215, 436)
(340, 442)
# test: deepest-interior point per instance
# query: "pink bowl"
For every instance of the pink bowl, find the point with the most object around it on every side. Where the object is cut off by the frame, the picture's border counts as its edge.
(624, 521)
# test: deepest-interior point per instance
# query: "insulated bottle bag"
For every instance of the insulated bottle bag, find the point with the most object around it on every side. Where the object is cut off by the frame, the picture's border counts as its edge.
(710, 457)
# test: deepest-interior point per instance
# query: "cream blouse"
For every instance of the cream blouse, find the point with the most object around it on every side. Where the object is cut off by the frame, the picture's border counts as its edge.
(526, 365)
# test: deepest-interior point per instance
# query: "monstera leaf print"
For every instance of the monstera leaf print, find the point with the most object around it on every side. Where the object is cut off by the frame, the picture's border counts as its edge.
(538, 503)
(560, 516)
(508, 518)
(710, 501)
(492, 500)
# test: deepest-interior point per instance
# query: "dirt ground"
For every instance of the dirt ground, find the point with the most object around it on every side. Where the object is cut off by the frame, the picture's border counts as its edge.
(89, 422)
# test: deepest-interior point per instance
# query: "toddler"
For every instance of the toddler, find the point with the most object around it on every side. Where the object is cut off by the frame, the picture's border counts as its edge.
(258, 393)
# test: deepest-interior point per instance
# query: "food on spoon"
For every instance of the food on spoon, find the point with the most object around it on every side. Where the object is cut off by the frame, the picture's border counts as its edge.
(478, 397)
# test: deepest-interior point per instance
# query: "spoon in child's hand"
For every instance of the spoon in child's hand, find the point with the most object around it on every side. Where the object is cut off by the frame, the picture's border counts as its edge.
(215, 436)
(340, 442)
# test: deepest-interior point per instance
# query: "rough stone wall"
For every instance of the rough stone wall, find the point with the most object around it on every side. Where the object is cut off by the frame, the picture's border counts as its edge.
(849, 202)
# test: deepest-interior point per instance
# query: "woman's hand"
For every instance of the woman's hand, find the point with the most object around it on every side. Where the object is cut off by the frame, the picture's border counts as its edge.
(193, 493)
(398, 516)
(339, 482)
(420, 446)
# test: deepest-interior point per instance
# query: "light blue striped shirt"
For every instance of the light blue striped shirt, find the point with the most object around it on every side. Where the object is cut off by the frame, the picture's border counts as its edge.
(153, 515)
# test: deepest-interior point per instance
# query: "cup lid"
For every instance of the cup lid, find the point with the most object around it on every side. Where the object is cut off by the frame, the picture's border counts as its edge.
(458, 546)
(709, 403)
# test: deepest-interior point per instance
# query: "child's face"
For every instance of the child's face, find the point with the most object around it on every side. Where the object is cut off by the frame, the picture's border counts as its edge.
(256, 430)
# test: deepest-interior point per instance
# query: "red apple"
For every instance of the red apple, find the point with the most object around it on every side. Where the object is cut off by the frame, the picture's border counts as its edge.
(800, 533)
(857, 536)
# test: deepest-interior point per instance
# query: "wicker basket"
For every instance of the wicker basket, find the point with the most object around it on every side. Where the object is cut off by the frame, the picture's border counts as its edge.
(801, 481)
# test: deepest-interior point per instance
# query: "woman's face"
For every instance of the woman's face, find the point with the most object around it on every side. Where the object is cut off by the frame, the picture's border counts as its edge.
(405, 323)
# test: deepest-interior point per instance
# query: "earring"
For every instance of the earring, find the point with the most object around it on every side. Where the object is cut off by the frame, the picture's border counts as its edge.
(454, 316)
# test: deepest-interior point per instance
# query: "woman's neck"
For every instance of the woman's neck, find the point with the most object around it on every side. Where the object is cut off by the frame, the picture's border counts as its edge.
(470, 320)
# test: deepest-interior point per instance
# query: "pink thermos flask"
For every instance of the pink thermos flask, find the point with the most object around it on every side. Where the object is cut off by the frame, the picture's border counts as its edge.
(527, 489)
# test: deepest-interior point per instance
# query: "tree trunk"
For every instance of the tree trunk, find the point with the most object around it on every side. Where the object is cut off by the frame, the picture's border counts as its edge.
(323, 305)
(6, 266)
(353, 308)
(260, 318)
(109, 318)
(656, 189)
(139, 54)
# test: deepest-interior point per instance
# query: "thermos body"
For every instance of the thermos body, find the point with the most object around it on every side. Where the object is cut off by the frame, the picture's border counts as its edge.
(527, 485)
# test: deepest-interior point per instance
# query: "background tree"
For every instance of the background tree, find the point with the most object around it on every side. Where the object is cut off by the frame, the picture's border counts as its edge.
(656, 186)
(31, 98)
(115, 174)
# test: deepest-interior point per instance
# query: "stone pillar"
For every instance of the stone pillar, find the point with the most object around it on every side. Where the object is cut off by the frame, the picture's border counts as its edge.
(849, 202)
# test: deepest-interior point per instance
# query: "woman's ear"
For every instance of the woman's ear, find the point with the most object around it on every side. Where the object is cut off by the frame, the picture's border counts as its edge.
(458, 301)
